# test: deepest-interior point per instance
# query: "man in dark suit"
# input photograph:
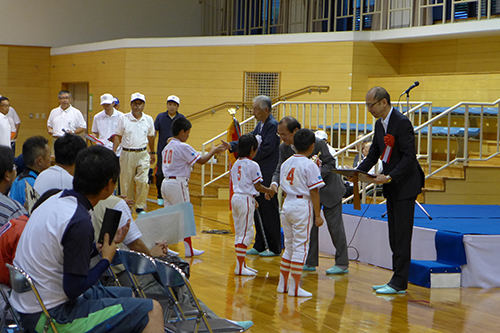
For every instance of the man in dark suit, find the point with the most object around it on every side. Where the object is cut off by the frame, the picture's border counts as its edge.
(330, 197)
(403, 179)
(267, 158)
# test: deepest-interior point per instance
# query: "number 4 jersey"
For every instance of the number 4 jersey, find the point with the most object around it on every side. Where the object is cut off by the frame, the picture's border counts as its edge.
(245, 173)
(299, 175)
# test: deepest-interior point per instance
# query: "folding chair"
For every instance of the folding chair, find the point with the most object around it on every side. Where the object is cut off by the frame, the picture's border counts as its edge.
(172, 276)
(136, 264)
(21, 282)
(116, 261)
(8, 308)
(141, 264)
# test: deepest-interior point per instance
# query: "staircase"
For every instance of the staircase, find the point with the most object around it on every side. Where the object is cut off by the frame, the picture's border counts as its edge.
(217, 193)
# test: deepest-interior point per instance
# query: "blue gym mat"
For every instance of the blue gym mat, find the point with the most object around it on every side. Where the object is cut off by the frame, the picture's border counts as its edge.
(461, 219)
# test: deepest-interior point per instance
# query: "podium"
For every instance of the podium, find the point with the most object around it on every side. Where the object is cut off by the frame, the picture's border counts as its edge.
(357, 175)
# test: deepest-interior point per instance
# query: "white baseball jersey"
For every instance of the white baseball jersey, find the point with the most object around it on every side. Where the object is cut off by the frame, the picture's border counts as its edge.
(178, 158)
(243, 209)
(245, 173)
(299, 175)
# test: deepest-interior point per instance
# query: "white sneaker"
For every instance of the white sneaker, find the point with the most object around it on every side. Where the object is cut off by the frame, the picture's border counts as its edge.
(172, 253)
(195, 253)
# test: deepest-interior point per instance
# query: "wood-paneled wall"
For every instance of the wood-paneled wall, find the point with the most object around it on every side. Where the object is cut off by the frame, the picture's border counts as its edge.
(24, 79)
(203, 76)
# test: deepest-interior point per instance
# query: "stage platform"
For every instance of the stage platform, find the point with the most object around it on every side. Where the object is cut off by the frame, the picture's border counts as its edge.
(479, 225)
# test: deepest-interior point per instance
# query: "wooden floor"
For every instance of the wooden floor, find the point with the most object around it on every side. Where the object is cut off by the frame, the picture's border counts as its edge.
(339, 303)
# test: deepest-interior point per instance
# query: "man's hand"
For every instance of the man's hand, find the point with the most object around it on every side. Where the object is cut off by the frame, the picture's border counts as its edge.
(159, 250)
(318, 221)
(152, 158)
(107, 250)
(121, 233)
(222, 147)
(129, 202)
(273, 189)
(380, 179)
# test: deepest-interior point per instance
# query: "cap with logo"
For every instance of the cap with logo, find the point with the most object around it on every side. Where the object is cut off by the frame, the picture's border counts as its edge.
(137, 95)
(106, 99)
(173, 98)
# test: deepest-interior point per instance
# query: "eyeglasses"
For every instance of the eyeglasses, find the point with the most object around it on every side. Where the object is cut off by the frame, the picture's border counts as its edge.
(369, 106)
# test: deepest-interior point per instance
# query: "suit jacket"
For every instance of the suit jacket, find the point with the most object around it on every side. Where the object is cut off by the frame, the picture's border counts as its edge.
(407, 175)
(267, 154)
(333, 191)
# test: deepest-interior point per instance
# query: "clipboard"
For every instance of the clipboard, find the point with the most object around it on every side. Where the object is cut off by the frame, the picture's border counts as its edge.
(110, 224)
(362, 175)
(356, 175)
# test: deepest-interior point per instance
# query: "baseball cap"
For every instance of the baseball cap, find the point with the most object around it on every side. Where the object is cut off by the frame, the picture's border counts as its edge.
(321, 135)
(174, 98)
(106, 99)
(116, 101)
(137, 95)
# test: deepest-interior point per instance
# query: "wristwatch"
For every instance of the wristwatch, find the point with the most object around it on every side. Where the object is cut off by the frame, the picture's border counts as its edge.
(152, 152)
(389, 178)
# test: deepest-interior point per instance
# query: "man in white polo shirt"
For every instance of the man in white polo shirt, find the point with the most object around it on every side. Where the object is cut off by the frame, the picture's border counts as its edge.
(105, 122)
(135, 131)
(65, 118)
(5, 124)
(15, 123)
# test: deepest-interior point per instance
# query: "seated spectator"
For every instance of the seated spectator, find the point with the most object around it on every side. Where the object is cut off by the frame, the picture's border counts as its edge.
(133, 238)
(133, 242)
(60, 176)
(9, 237)
(9, 208)
(55, 248)
(36, 155)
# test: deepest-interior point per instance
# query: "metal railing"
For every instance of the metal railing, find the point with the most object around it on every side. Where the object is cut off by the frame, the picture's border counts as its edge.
(226, 17)
(204, 146)
(237, 105)
(438, 143)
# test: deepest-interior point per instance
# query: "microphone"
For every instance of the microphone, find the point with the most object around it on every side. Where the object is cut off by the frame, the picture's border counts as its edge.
(415, 84)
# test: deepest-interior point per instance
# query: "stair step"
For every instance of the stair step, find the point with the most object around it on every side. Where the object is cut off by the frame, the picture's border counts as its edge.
(432, 274)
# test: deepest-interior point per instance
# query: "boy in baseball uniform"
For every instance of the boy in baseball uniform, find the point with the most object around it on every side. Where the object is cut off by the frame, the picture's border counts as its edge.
(178, 158)
(247, 178)
(300, 179)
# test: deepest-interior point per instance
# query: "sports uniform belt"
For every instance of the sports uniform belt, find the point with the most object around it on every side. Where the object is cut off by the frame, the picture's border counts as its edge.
(178, 178)
(135, 149)
(293, 196)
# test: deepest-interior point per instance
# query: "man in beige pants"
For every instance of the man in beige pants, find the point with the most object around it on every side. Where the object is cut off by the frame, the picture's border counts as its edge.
(135, 131)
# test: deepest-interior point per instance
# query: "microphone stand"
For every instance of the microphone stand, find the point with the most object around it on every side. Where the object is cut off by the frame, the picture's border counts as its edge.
(420, 206)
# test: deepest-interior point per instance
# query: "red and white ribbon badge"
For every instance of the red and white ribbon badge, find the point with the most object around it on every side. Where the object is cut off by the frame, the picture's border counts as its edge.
(389, 144)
